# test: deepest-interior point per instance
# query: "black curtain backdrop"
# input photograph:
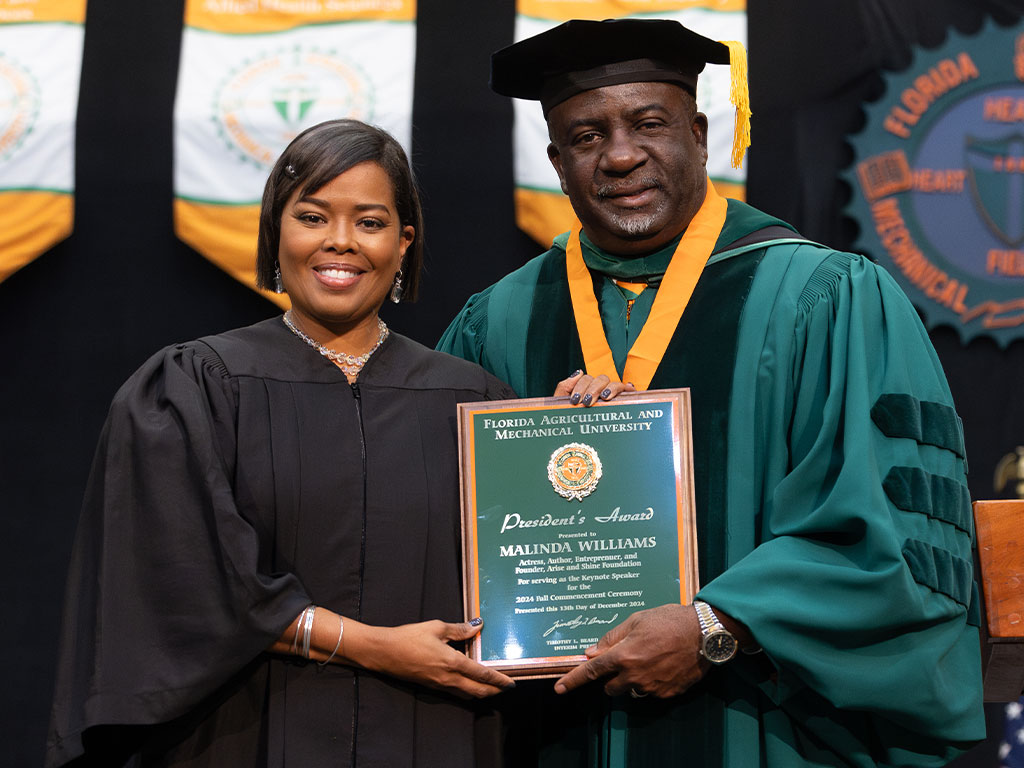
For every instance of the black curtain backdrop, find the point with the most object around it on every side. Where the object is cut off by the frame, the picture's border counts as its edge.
(77, 321)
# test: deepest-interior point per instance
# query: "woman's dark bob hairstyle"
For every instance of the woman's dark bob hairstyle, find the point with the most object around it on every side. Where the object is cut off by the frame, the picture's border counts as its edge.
(318, 155)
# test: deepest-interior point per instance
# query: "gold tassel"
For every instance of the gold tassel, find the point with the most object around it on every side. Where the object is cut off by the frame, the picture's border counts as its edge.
(740, 98)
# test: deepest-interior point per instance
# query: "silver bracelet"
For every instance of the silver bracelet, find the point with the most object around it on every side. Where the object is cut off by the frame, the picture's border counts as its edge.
(307, 632)
(298, 630)
(337, 645)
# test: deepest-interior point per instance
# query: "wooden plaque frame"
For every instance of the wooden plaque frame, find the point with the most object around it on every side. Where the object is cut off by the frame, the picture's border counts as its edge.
(509, 476)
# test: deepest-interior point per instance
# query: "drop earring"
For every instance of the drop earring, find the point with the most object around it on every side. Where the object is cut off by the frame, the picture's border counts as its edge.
(278, 285)
(396, 288)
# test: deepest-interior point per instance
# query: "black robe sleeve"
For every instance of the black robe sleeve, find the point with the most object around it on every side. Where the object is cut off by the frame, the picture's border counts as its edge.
(165, 598)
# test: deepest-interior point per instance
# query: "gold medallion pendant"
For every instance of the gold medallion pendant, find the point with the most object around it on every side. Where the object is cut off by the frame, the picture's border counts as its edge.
(574, 470)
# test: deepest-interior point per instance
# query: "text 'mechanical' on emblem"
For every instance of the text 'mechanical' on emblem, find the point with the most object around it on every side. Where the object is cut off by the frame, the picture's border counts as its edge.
(574, 470)
(938, 182)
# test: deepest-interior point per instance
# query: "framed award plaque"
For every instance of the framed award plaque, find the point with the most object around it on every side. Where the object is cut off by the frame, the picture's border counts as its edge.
(572, 518)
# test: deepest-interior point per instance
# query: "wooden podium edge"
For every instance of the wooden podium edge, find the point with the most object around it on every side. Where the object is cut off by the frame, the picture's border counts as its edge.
(999, 527)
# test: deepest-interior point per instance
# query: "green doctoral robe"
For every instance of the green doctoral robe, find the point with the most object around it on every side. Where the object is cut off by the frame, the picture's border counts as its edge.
(833, 520)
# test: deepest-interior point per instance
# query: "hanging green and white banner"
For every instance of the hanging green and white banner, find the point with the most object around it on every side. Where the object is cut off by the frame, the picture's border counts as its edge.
(255, 73)
(542, 210)
(40, 65)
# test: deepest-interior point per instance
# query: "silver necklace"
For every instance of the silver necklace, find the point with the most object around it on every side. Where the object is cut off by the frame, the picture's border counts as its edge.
(350, 364)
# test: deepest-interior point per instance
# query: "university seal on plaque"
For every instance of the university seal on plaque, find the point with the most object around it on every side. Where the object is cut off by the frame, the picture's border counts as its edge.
(574, 470)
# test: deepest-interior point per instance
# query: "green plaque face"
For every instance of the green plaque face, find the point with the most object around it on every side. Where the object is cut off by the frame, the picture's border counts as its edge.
(573, 518)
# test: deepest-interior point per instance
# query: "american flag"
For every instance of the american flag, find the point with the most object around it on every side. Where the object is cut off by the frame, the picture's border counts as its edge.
(1011, 750)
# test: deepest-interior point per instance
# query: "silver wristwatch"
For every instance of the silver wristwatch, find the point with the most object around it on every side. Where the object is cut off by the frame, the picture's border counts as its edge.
(717, 644)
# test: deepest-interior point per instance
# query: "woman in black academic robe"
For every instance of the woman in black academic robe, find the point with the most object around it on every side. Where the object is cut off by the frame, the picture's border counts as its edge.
(244, 479)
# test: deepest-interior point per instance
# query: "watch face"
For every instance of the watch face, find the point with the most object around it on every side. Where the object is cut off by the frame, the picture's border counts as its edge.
(719, 647)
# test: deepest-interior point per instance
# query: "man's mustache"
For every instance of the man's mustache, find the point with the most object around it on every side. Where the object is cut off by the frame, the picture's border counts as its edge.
(628, 187)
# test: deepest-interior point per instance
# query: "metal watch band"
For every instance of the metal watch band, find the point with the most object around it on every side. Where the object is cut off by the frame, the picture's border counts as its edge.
(707, 618)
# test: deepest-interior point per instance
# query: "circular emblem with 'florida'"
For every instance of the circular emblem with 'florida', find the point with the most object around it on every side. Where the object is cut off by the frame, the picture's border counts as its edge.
(574, 470)
(19, 105)
(267, 100)
(939, 183)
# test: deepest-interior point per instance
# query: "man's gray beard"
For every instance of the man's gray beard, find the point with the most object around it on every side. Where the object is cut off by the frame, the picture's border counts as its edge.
(637, 225)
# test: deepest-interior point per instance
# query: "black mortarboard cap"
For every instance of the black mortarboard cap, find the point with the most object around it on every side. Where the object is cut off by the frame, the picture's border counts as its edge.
(581, 55)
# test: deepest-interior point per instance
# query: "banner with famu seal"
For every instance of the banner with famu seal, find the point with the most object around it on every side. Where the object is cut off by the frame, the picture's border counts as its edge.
(40, 64)
(939, 182)
(542, 210)
(255, 73)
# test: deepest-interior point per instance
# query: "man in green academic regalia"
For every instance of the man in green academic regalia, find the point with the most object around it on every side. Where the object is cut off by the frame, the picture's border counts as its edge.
(838, 620)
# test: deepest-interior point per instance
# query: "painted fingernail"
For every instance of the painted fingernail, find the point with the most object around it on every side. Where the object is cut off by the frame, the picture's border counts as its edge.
(510, 685)
(575, 398)
(476, 622)
(577, 372)
(588, 399)
(606, 393)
